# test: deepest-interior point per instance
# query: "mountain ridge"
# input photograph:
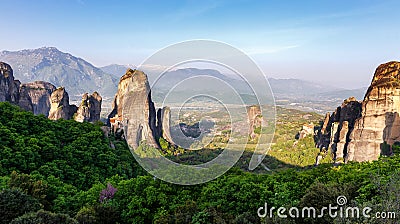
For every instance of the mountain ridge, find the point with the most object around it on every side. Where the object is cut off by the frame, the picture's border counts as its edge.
(79, 76)
(62, 69)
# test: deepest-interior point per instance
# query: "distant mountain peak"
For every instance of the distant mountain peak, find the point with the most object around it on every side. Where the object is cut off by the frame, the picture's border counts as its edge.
(37, 50)
(47, 48)
(60, 68)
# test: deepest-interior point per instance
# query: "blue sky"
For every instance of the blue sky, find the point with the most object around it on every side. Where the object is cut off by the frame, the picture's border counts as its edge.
(333, 42)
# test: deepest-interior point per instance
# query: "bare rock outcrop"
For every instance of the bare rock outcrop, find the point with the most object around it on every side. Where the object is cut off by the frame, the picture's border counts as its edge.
(134, 110)
(336, 129)
(90, 108)
(362, 131)
(255, 118)
(60, 107)
(307, 130)
(344, 119)
(163, 124)
(324, 134)
(340, 141)
(379, 125)
(44, 98)
(9, 88)
(35, 97)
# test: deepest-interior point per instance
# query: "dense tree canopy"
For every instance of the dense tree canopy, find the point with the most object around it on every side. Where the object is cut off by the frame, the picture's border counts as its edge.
(69, 172)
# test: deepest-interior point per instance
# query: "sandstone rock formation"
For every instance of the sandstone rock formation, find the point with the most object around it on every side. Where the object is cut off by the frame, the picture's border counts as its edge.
(379, 125)
(25, 101)
(163, 124)
(255, 119)
(90, 108)
(9, 88)
(117, 103)
(134, 109)
(324, 134)
(336, 129)
(35, 97)
(60, 107)
(42, 97)
(362, 131)
(307, 130)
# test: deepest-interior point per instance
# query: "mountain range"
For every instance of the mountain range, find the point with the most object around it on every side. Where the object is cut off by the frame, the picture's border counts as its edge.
(79, 76)
(61, 69)
(290, 93)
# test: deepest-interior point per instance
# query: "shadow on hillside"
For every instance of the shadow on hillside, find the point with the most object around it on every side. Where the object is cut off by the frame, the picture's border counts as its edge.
(270, 163)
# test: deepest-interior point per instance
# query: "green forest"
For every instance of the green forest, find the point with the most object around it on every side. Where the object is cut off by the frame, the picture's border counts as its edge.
(69, 172)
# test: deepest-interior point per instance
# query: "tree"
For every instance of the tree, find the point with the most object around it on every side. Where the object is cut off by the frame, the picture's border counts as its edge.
(28, 185)
(14, 203)
(42, 216)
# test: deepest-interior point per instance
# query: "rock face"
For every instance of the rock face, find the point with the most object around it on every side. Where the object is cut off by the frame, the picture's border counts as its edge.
(60, 107)
(324, 134)
(307, 130)
(336, 129)
(9, 88)
(90, 108)
(379, 125)
(117, 103)
(163, 124)
(134, 109)
(255, 119)
(362, 131)
(35, 97)
(342, 125)
(42, 97)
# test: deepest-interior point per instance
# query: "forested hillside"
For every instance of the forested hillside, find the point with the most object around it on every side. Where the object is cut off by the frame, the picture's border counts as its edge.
(69, 172)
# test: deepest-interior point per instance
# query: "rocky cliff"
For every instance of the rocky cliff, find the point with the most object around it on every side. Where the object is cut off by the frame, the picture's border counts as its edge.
(35, 97)
(60, 107)
(362, 131)
(163, 128)
(379, 125)
(336, 129)
(90, 108)
(9, 88)
(42, 97)
(255, 119)
(134, 110)
(165, 118)
(117, 105)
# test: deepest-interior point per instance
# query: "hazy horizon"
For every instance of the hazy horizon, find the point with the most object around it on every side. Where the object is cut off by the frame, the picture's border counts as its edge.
(337, 43)
(157, 68)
